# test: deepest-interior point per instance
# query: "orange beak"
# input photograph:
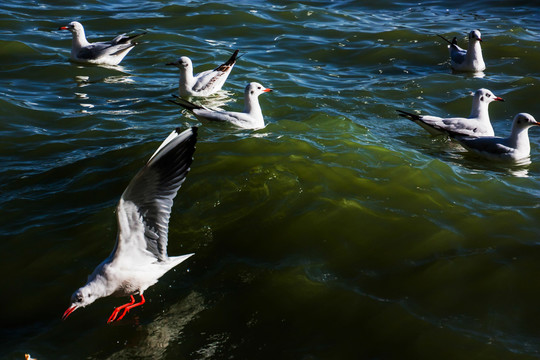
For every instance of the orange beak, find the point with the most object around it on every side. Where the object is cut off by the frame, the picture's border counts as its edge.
(267, 90)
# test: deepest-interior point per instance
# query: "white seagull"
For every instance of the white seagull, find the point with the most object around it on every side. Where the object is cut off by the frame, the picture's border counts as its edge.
(467, 60)
(206, 82)
(516, 147)
(100, 53)
(477, 124)
(139, 257)
(251, 118)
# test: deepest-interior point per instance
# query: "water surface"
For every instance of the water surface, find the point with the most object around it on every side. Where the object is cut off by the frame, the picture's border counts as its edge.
(339, 231)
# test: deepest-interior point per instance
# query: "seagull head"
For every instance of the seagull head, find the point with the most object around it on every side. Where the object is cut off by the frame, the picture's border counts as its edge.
(485, 96)
(524, 121)
(255, 89)
(183, 63)
(74, 26)
(475, 36)
(80, 298)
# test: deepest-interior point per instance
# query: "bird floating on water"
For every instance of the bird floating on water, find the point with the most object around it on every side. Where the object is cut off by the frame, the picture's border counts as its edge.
(470, 60)
(477, 124)
(251, 118)
(204, 83)
(100, 53)
(516, 147)
(139, 257)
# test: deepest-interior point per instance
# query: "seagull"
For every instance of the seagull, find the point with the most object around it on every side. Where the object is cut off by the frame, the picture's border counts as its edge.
(139, 257)
(206, 82)
(101, 53)
(477, 124)
(467, 60)
(516, 147)
(251, 118)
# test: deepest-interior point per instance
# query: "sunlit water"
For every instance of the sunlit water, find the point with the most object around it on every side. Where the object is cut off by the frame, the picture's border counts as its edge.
(339, 231)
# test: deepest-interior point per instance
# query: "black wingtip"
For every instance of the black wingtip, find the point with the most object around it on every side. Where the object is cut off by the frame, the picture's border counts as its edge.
(194, 129)
(448, 41)
(232, 59)
(184, 103)
(408, 115)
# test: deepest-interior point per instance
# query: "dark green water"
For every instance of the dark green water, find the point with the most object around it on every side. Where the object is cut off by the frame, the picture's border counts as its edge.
(339, 231)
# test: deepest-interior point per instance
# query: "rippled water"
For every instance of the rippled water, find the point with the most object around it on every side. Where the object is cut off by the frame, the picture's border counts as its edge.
(339, 231)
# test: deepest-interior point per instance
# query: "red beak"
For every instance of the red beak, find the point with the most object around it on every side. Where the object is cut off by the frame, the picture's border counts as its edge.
(267, 90)
(499, 99)
(68, 312)
(63, 28)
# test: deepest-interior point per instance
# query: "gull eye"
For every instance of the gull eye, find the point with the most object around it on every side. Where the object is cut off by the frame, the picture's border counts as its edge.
(488, 95)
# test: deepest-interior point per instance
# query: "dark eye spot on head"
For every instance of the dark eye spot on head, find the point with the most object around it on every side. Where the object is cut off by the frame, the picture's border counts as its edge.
(251, 92)
(482, 98)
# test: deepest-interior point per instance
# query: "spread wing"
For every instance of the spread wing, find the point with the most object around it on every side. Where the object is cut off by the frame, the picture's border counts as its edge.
(145, 206)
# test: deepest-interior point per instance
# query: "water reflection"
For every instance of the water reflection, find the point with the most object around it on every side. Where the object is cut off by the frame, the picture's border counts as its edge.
(166, 329)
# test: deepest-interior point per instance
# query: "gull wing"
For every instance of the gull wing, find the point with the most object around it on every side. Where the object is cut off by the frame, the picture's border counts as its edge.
(217, 77)
(486, 145)
(144, 209)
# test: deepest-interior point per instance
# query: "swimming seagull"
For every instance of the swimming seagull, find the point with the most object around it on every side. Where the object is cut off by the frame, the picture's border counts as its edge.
(101, 53)
(470, 59)
(477, 124)
(251, 118)
(513, 148)
(206, 82)
(139, 257)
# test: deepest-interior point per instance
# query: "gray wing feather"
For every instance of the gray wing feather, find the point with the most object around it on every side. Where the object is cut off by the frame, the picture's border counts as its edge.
(458, 55)
(154, 187)
(485, 145)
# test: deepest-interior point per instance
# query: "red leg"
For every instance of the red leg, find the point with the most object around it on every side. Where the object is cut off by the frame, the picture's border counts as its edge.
(115, 312)
(131, 306)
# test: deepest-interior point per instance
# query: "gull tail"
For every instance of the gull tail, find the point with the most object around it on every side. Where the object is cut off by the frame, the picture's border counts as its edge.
(185, 104)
